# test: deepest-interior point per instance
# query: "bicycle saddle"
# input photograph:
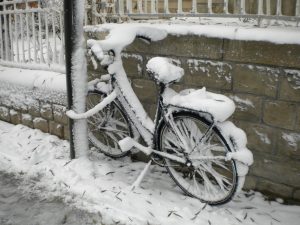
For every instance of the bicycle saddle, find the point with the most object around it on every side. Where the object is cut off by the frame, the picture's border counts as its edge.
(162, 70)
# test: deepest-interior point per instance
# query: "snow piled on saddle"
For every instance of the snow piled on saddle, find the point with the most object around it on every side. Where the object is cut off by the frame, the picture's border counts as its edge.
(163, 70)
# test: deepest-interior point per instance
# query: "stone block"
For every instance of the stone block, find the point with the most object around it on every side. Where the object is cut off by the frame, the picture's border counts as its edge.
(290, 86)
(56, 129)
(151, 110)
(274, 189)
(133, 64)
(188, 46)
(280, 114)
(298, 119)
(34, 108)
(248, 107)
(257, 80)
(15, 117)
(46, 111)
(276, 169)
(94, 69)
(59, 114)
(262, 53)
(145, 90)
(96, 35)
(296, 195)
(211, 74)
(261, 138)
(20, 106)
(4, 114)
(288, 144)
(66, 133)
(27, 120)
(288, 7)
(250, 183)
(41, 124)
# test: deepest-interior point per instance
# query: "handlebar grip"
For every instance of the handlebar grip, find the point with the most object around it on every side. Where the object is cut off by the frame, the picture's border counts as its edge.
(148, 40)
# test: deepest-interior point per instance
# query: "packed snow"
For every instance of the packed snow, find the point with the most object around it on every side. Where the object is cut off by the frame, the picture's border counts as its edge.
(263, 137)
(21, 88)
(278, 35)
(219, 106)
(237, 138)
(93, 111)
(294, 78)
(42, 161)
(164, 70)
(20, 208)
(243, 104)
(293, 139)
(41, 79)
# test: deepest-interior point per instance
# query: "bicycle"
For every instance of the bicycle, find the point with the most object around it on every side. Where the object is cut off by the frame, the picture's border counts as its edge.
(191, 142)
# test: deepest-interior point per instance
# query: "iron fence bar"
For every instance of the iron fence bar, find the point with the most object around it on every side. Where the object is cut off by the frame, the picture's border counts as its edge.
(6, 37)
(34, 38)
(22, 38)
(1, 38)
(11, 38)
(17, 37)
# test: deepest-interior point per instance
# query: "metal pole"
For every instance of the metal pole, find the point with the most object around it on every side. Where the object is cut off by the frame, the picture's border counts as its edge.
(69, 31)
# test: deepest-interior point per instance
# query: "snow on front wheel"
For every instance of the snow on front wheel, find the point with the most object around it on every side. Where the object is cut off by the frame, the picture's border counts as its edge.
(212, 179)
(107, 127)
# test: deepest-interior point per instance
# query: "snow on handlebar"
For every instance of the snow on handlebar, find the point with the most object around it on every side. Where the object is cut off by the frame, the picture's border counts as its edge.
(107, 100)
(114, 44)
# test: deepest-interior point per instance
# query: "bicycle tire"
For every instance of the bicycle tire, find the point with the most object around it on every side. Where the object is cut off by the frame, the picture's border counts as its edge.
(196, 179)
(108, 126)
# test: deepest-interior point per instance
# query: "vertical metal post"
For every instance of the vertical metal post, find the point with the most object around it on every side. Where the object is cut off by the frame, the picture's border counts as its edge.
(69, 31)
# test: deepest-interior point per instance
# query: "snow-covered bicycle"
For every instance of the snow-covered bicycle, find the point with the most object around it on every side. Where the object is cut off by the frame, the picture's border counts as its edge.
(204, 154)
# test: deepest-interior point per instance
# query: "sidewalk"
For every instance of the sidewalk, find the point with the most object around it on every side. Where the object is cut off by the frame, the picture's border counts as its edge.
(43, 161)
(18, 208)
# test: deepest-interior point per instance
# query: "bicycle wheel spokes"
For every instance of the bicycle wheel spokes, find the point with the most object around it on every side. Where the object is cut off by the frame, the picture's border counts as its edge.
(107, 127)
(208, 176)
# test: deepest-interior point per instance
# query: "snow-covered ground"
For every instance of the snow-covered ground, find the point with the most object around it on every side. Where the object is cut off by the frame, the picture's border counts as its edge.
(42, 162)
(18, 208)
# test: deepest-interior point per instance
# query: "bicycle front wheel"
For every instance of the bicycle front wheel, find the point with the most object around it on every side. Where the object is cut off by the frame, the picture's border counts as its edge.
(107, 127)
(206, 175)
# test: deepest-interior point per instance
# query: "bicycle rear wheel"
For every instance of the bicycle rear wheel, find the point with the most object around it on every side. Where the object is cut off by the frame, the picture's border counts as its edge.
(107, 127)
(212, 180)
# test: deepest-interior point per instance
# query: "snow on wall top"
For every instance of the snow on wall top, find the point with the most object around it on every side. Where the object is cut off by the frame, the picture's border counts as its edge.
(51, 81)
(277, 35)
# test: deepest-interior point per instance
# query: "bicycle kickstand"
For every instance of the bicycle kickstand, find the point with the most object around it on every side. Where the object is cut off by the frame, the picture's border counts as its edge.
(140, 178)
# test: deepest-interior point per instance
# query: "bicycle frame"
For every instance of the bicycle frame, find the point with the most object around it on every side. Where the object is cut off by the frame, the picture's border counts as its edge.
(162, 112)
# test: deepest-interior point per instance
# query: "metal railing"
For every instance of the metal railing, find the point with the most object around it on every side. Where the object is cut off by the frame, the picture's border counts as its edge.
(149, 9)
(31, 36)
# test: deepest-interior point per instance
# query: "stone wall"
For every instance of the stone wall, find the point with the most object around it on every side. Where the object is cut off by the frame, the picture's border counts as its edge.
(264, 81)
(39, 109)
